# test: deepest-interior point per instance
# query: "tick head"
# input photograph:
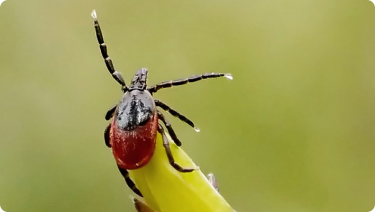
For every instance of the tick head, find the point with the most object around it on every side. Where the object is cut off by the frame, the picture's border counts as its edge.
(139, 81)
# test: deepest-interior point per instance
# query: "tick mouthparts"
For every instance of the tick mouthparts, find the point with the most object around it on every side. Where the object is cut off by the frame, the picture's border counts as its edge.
(228, 76)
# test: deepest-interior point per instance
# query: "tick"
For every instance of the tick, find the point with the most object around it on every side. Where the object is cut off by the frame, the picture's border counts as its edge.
(135, 119)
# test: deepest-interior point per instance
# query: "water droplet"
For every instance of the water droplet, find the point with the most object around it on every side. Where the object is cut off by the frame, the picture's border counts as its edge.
(228, 76)
(197, 129)
(93, 14)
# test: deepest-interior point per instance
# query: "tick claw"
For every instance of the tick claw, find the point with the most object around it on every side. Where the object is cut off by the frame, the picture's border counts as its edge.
(228, 76)
(93, 14)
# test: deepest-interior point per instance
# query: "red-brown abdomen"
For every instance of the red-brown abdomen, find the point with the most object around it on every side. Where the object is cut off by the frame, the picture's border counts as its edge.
(134, 148)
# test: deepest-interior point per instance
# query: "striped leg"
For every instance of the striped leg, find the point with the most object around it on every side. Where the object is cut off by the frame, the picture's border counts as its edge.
(175, 113)
(103, 48)
(169, 128)
(169, 153)
(194, 78)
(129, 181)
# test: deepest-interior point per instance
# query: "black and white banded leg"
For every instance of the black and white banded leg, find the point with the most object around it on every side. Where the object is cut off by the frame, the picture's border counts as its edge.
(103, 48)
(129, 181)
(169, 128)
(193, 78)
(175, 114)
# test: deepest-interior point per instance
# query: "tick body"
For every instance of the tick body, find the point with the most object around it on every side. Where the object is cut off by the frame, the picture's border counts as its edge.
(136, 119)
(133, 130)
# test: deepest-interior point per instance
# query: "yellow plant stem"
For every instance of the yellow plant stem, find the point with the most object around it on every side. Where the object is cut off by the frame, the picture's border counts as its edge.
(167, 190)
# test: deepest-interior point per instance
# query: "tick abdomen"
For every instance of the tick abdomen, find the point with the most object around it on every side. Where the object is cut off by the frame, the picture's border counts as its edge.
(134, 148)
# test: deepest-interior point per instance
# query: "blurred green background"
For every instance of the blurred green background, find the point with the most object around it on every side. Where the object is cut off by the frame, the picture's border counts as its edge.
(294, 130)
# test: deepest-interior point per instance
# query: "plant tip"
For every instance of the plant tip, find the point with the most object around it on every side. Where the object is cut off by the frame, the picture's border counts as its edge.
(228, 76)
(93, 14)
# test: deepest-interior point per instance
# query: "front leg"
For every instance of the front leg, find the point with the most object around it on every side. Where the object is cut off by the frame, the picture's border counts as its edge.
(194, 78)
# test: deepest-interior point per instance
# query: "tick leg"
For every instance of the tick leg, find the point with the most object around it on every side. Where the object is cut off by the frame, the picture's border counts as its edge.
(169, 153)
(110, 112)
(169, 128)
(193, 78)
(175, 113)
(129, 181)
(106, 136)
(103, 48)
